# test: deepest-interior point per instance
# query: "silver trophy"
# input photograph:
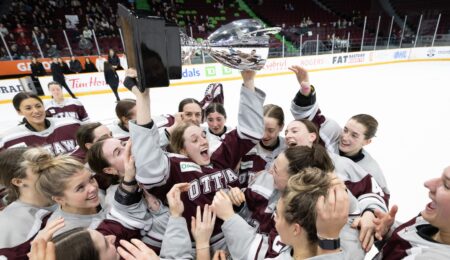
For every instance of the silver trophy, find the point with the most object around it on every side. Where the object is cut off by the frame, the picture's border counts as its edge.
(242, 44)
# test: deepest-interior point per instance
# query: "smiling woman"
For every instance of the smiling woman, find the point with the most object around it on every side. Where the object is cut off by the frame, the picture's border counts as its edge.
(425, 236)
(56, 135)
(157, 171)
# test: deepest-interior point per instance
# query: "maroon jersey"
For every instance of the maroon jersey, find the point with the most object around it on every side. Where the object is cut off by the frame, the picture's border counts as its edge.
(69, 108)
(159, 171)
(58, 138)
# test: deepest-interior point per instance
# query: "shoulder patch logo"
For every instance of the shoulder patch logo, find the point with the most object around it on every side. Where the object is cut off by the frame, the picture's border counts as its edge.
(189, 166)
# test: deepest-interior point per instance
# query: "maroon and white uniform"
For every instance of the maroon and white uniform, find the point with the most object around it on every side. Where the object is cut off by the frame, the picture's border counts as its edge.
(414, 240)
(158, 171)
(127, 218)
(306, 107)
(58, 138)
(68, 108)
(258, 159)
(258, 238)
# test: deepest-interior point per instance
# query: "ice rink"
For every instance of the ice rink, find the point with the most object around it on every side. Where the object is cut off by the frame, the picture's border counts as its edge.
(411, 101)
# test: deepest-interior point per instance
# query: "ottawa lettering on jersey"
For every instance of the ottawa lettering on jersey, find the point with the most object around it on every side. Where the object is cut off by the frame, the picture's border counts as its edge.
(219, 179)
(66, 114)
(61, 147)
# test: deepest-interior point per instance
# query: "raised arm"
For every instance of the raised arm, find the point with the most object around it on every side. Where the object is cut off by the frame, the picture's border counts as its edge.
(152, 165)
(305, 106)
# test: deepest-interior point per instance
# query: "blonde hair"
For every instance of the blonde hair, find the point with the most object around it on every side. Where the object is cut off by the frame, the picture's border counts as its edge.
(300, 198)
(53, 172)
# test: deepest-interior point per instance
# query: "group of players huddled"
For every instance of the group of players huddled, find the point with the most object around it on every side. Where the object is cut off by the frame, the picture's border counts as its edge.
(188, 186)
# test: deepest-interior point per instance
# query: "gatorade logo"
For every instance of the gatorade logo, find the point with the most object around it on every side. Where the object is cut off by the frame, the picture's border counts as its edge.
(189, 166)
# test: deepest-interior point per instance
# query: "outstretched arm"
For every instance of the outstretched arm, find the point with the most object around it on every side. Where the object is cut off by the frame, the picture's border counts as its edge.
(302, 78)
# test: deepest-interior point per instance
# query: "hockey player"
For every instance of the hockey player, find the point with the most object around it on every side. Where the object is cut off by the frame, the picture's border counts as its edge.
(60, 107)
(54, 134)
(262, 155)
(349, 142)
(125, 111)
(68, 183)
(26, 206)
(425, 236)
(309, 217)
(158, 171)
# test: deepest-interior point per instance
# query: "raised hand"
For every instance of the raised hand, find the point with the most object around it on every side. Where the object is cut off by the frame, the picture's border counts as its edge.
(383, 221)
(176, 206)
(136, 250)
(236, 196)
(222, 206)
(332, 212)
(202, 227)
(302, 78)
(50, 228)
(248, 76)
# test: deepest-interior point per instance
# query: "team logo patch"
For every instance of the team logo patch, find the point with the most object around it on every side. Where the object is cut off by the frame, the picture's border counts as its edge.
(189, 166)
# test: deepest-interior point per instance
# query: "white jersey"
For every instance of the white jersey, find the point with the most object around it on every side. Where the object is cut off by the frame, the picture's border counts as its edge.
(259, 238)
(68, 108)
(330, 131)
(257, 160)
(20, 221)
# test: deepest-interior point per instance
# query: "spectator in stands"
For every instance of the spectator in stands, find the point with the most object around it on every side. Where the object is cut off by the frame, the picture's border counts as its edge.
(89, 66)
(37, 70)
(14, 52)
(51, 51)
(27, 53)
(87, 33)
(23, 40)
(75, 3)
(113, 59)
(10, 39)
(3, 30)
(75, 65)
(58, 75)
(19, 29)
(3, 54)
(112, 79)
(84, 43)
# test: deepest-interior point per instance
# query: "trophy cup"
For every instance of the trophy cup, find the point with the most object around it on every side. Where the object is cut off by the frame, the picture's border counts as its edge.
(157, 48)
(241, 44)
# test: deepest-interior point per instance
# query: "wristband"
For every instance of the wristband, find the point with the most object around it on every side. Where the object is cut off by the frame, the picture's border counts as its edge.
(201, 248)
(129, 183)
(329, 243)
